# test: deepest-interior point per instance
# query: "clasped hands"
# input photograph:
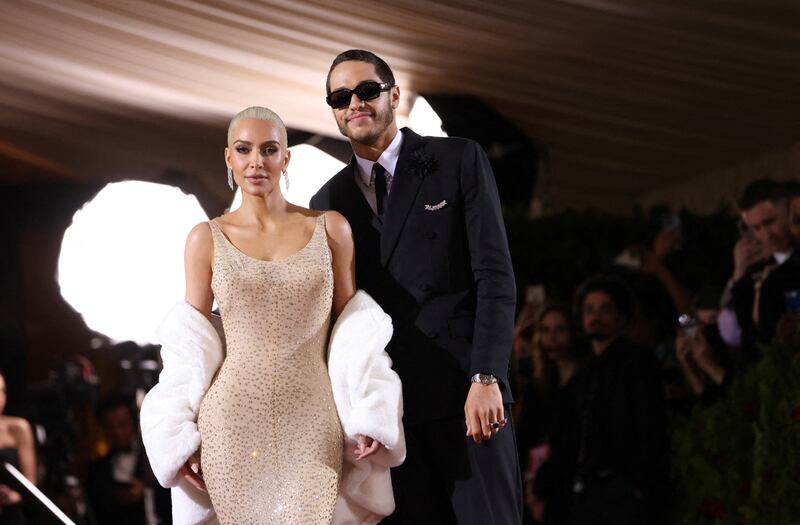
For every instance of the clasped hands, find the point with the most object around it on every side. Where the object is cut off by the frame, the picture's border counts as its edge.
(193, 472)
(484, 406)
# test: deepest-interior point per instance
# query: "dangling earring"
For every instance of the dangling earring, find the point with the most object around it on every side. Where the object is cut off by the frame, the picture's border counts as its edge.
(286, 178)
(230, 178)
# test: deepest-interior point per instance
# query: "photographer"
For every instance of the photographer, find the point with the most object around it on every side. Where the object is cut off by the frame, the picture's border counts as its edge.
(758, 287)
(121, 486)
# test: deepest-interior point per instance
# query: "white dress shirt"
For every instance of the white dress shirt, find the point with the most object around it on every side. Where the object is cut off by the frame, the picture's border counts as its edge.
(388, 160)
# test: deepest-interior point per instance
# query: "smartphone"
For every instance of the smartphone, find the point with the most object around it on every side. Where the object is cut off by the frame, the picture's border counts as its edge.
(744, 230)
(689, 325)
(671, 221)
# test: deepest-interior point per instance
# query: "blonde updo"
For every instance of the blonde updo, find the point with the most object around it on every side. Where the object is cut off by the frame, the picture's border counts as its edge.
(258, 113)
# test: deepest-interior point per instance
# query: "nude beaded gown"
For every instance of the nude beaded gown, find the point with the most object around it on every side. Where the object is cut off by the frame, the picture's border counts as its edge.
(271, 437)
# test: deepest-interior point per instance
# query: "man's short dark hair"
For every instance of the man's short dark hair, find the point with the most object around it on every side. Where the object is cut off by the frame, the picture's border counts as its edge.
(114, 401)
(763, 190)
(382, 69)
(619, 293)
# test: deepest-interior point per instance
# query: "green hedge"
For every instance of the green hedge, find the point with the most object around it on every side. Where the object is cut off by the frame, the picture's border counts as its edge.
(736, 461)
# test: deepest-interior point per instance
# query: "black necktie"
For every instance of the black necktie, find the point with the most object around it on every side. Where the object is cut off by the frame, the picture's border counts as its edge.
(380, 188)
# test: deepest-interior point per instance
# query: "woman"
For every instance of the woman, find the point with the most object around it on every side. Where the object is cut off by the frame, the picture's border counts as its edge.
(561, 356)
(271, 439)
(16, 448)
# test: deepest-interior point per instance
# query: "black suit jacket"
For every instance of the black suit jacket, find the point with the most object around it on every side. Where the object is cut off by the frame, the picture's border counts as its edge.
(439, 265)
(772, 301)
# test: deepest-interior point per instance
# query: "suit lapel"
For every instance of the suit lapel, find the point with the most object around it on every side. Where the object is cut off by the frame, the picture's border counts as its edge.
(402, 195)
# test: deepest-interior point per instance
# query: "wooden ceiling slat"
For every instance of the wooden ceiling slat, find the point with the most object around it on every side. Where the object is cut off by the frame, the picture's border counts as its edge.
(617, 89)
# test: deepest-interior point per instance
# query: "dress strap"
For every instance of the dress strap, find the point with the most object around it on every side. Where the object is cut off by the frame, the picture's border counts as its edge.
(218, 236)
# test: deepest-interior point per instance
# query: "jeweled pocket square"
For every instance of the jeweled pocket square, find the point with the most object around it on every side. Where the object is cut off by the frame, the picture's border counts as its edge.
(434, 207)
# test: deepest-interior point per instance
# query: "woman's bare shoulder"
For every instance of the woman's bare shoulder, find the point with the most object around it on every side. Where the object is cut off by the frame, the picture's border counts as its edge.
(199, 242)
(337, 226)
(17, 425)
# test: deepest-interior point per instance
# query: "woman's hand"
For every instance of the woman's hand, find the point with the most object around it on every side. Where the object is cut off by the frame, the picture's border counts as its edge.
(367, 447)
(193, 472)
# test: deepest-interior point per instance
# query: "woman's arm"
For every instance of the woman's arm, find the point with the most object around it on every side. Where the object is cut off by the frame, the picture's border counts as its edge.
(340, 241)
(197, 262)
(23, 435)
(683, 351)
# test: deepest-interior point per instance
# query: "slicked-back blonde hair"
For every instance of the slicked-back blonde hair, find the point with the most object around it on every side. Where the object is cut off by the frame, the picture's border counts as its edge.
(258, 113)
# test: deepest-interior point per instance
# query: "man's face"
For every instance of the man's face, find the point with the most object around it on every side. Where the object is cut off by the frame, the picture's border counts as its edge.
(601, 319)
(365, 122)
(770, 226)
(118, 427)
(794, 217)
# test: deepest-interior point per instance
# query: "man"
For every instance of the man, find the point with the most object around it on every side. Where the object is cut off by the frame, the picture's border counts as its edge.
(121, 487)
(759, 286)
(608, 445)
(431, 248)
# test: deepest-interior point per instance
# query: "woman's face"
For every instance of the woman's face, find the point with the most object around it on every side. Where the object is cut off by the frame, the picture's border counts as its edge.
(554, 333)
(794, 217)
(257, 156)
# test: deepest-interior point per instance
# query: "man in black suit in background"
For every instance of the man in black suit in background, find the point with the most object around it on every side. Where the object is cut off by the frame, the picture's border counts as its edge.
(431, 248)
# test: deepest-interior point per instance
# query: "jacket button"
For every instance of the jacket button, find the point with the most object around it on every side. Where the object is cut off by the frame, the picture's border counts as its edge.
(430, 235)
(433, 334)
(425, 287)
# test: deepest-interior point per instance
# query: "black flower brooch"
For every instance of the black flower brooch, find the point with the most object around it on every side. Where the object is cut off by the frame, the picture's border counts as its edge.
(422, 164)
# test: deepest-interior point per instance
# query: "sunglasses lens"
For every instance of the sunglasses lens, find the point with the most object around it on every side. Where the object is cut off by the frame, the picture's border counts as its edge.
(368, 90)
(339, 99)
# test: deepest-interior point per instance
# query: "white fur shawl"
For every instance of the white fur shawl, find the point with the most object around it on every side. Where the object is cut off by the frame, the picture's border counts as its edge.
(367, 393)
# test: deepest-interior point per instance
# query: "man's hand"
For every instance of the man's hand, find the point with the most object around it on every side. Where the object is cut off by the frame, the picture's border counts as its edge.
(484, 406)
(746, 252)
(192, 471)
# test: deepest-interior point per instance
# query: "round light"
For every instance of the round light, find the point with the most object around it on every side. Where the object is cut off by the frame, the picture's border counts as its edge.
(121, 260)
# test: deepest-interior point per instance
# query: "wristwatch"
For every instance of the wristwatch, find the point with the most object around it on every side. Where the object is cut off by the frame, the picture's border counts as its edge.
(484, 379)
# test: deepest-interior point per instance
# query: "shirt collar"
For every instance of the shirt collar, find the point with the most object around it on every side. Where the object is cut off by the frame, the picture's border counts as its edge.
(780, 257)
(388, 159)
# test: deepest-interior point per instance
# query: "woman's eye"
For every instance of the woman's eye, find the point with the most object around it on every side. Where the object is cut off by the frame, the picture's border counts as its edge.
(270, 151)
(242, 149)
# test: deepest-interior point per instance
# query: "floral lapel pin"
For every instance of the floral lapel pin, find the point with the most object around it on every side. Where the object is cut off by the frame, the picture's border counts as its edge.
(422, 164)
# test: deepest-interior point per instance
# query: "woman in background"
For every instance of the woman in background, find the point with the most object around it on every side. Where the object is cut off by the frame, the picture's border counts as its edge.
(16, 448)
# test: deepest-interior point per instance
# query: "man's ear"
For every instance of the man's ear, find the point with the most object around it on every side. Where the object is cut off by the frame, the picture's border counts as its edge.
(395, 97)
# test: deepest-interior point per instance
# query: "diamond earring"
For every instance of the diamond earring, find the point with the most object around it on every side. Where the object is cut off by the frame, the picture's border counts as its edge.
(286, 178)
(230, 178)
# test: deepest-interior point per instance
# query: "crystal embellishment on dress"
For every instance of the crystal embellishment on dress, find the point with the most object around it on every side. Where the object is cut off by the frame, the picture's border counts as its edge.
(271, 437)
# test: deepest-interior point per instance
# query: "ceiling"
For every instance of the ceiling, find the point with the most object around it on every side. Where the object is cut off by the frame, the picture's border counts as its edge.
(626, 96)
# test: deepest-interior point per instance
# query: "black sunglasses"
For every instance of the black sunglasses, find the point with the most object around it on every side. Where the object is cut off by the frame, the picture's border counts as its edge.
(366, 91)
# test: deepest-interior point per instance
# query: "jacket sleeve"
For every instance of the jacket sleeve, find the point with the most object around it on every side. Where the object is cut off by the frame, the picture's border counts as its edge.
(191, 352)
(491, 265)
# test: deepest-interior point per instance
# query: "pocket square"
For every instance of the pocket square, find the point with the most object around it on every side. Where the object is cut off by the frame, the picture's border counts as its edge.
(434, 207)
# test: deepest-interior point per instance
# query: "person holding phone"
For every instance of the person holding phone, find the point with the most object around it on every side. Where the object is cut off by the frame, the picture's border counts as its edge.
(758, 290)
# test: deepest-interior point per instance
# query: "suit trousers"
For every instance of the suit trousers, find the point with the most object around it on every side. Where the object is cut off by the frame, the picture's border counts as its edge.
(448, 479)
